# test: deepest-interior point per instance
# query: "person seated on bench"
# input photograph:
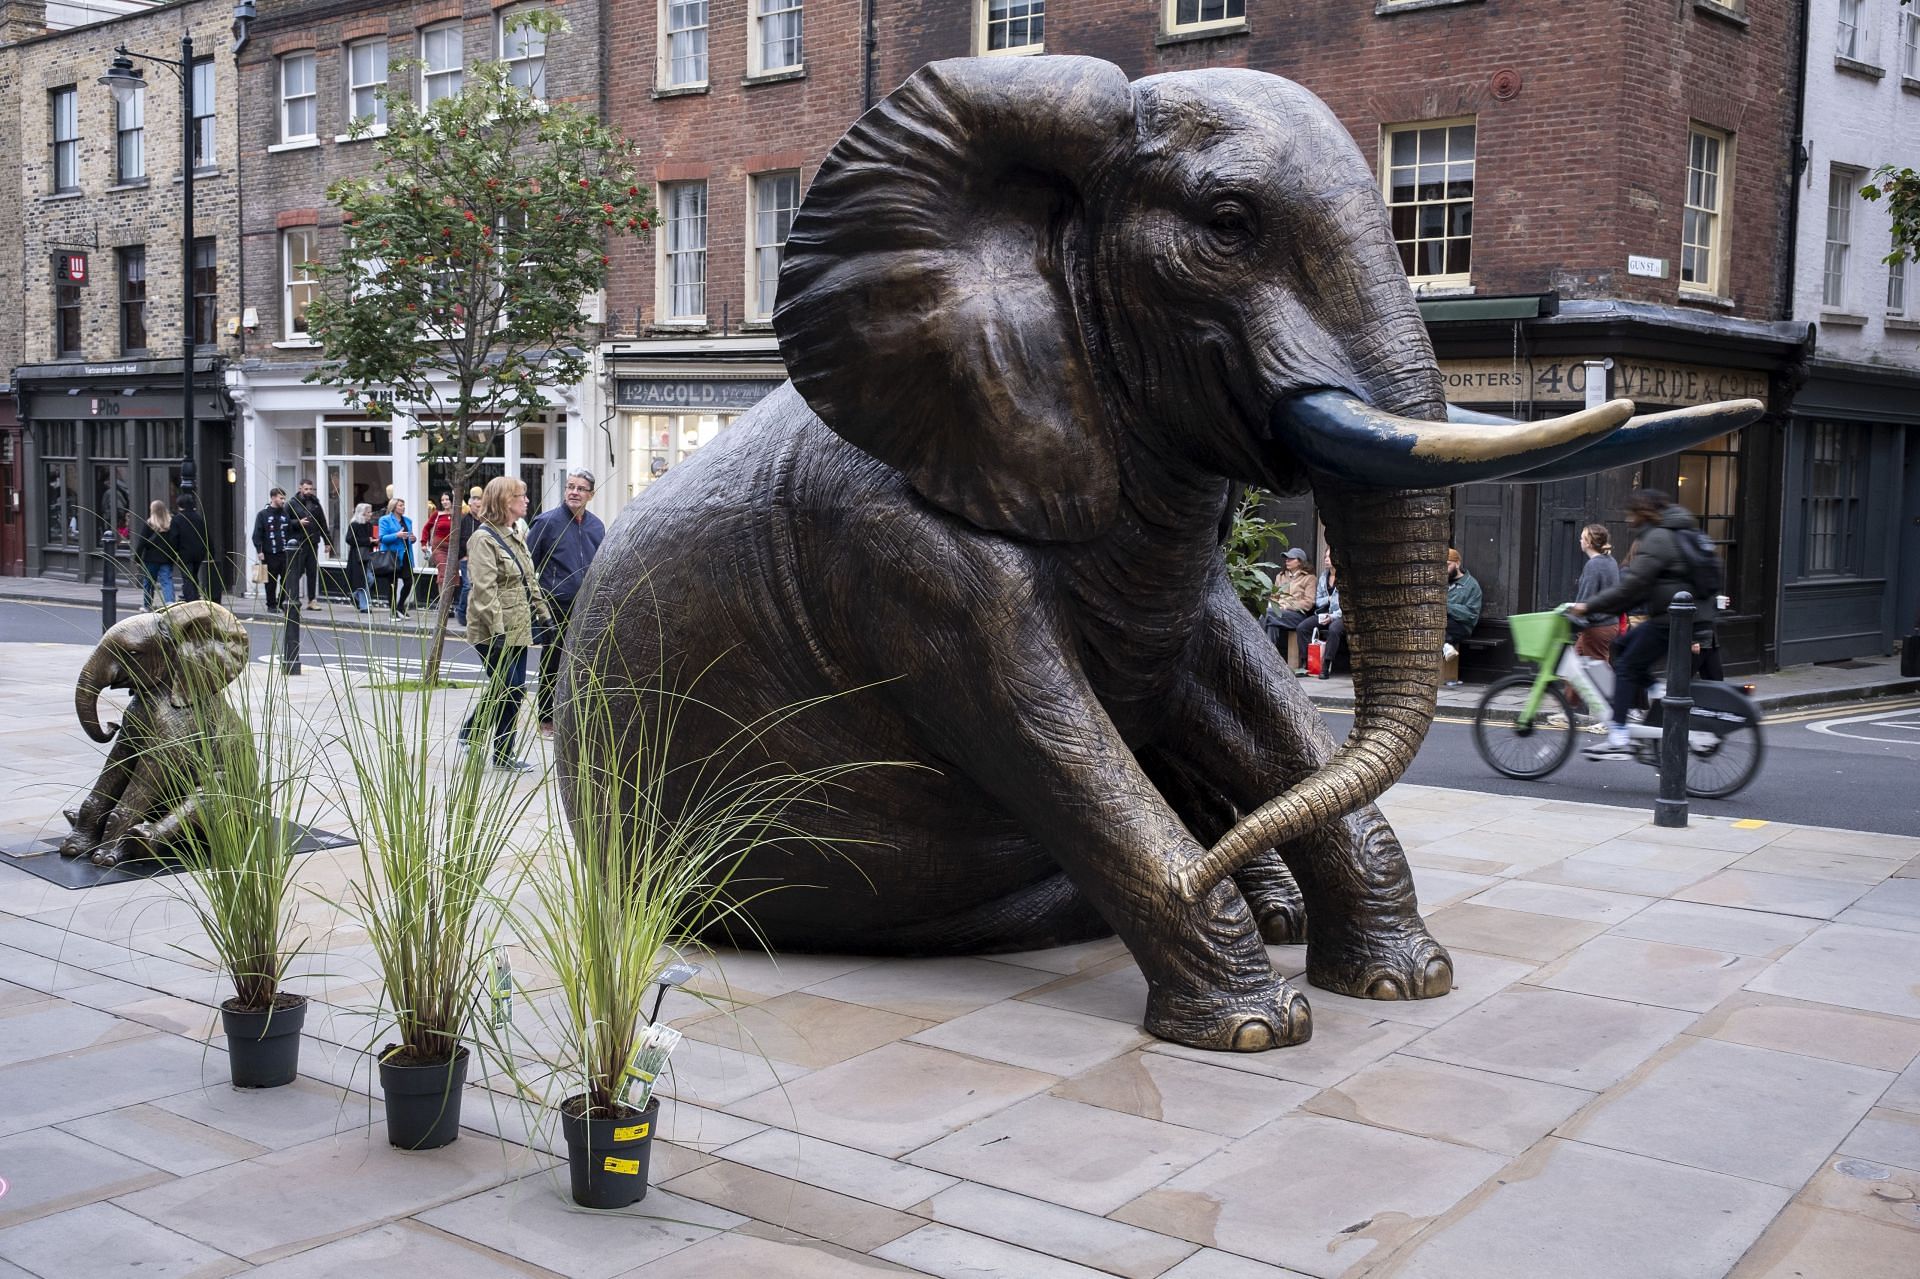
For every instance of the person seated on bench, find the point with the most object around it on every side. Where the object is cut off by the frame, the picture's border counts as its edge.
(1332, 626)
(1290, 606)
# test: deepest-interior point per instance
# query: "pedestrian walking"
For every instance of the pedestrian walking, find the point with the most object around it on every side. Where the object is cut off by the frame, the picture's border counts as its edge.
(196, 575)
(394, 560)
(436, 533)
(1659, 569)
(563, 542)
(1465, 599)
(153, 551)
(310, 534)
(502, 610)
(357, 544)
(1600, 573)
(273, 539)
(469, 525)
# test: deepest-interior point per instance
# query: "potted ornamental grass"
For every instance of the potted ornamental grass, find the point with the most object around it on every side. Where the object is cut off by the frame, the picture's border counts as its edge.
(249, 772)
(644, 862)
(435, 827)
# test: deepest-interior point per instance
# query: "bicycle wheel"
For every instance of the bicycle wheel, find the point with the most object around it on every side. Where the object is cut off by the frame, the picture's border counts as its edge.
(1720, 766)
(1530, 751)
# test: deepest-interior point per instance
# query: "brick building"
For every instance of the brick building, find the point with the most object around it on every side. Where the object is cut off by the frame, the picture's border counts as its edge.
(309, 68)
(105, 290)
(1615, 189)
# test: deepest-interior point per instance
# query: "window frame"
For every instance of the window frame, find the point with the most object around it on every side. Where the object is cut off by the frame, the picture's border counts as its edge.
(1850, 37)
(291, 278)
(371, 87)
(308, 97)
(537, 90)
(1834, 513)
(1443, 279)
(1843, 183)
(757, 42)
(664, 75)
(65, 150)
(759, 302)
(1720, 221)
(1898, 282)
(206, 132)
(205, 301)
(984, 22)
(123, 173)
(66, 310)
(1170, 17)
(1910, 43)
(131, 297)
(458, 70)
(666, 301)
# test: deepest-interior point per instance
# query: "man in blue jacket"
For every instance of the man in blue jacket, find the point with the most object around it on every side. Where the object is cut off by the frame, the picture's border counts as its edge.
(563, 541)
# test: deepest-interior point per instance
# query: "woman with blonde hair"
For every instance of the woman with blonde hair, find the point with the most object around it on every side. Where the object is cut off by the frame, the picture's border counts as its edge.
(153, 548)
(1601, 573)
(501, 611)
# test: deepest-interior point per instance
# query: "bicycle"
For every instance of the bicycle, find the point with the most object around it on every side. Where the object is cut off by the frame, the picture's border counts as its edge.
(1526, 724)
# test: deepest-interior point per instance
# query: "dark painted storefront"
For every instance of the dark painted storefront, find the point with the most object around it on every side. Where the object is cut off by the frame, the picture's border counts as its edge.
(102, 441)
(13, 498)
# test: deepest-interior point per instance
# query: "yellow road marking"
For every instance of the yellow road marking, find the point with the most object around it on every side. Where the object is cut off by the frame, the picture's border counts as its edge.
(1749, 823)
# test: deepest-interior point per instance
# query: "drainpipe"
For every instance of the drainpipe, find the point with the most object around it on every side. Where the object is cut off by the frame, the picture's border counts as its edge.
(869, 44)
(1797, 162)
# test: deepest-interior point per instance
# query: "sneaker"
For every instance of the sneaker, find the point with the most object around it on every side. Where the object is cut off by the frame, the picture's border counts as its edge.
(513, 765)
(1610, 750)
(1449, 652)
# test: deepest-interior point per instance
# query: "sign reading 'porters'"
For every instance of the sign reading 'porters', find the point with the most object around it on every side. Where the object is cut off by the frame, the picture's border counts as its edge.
(1653, 382)
(697, 394)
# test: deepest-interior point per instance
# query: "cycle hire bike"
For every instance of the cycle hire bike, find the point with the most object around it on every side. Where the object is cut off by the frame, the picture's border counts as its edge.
(1526, 724)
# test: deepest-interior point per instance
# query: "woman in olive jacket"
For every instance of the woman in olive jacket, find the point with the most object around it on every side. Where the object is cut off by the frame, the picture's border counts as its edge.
(501, 611)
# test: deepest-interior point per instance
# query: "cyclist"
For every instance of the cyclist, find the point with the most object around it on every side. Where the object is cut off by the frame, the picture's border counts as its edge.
(1658, 570)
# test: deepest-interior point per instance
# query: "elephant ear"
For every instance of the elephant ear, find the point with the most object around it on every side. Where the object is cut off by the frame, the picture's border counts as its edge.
(929, 310)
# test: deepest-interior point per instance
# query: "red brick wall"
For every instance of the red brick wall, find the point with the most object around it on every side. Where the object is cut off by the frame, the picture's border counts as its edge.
(1584, 166)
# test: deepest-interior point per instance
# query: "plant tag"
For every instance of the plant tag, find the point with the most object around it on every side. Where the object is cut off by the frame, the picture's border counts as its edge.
(636, 1133)
(650, 1052)
(631, 1167)
(500, 989)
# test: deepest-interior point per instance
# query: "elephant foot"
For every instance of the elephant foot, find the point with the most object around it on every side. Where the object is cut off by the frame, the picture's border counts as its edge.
(76, 845)
(1284, 924)
(1274, 1017)
(1274, 898)
(1406, 964)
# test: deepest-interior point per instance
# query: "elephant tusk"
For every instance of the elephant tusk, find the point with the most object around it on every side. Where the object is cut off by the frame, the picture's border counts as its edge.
(1641, 439)
(1344, 438)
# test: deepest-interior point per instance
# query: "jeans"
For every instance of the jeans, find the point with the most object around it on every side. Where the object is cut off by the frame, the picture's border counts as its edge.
(497, 711)
(157, 577)
(460, 600)
(1634, 655)
(550, 660)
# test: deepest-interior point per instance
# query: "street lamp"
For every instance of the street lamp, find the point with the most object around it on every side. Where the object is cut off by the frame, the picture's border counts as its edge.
(124, 80)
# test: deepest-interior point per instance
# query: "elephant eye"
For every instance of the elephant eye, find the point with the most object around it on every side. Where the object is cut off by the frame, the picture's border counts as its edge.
(1232, 220)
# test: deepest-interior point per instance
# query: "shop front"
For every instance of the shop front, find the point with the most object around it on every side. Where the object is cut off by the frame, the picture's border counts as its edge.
(670, 397)
(102, 441)
(13, 497)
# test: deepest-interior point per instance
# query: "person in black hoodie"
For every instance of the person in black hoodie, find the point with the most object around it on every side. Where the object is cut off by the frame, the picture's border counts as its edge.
(194, 554)
(153, 551)
(273, 542)
(310, 534)
(1658, 571)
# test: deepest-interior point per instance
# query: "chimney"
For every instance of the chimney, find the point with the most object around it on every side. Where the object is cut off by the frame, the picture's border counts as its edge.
(22, 20)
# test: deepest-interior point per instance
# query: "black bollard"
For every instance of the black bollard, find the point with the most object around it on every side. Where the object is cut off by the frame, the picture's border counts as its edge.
(290, 632)
(1676, 714)
(109, 588)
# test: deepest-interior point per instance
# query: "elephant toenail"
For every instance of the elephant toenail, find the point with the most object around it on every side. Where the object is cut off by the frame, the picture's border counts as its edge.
(1438, 978)
(1386, 988)
(1253, 1036)
(1299, 1020)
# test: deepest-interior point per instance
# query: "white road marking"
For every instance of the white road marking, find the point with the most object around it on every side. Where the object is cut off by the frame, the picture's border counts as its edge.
(1900, 727)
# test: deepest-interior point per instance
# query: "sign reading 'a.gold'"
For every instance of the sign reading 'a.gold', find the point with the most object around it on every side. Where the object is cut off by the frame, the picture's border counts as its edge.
(1650, 382)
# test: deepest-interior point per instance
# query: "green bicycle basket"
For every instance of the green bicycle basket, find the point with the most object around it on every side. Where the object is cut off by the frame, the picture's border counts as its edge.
(1536, 636)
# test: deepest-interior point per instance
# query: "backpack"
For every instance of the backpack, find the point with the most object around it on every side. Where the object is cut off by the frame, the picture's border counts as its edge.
(1707, 575)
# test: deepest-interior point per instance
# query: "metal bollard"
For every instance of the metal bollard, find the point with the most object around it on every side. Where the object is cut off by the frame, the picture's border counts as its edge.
(1676, 712)
(109, 589)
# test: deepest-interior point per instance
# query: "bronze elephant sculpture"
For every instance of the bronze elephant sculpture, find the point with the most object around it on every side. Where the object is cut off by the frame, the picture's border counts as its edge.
(1040, 323)
(175, 661)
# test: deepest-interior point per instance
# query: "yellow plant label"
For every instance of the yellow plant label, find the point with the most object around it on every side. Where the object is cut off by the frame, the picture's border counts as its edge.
(631, 1167)
(635, 1133)
(1748, 823)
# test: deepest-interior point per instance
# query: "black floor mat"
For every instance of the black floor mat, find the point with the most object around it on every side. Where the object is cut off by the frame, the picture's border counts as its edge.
(42, 859)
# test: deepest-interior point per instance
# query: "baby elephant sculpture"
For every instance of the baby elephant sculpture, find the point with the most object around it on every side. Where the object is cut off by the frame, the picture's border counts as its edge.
(175, 662)
(1040, 323)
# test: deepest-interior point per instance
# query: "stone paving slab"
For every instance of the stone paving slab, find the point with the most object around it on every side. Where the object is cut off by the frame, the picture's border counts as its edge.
(1712, 1034)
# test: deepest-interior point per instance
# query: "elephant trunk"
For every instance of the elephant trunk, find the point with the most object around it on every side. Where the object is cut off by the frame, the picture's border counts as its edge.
(1389, 548)
(103, 670)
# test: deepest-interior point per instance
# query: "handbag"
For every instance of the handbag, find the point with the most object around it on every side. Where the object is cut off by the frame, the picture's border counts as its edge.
(384, 563)
(257, 574)
(1316, 654)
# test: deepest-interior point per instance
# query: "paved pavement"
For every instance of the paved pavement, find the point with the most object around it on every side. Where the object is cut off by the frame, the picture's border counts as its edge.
(1685, 1053)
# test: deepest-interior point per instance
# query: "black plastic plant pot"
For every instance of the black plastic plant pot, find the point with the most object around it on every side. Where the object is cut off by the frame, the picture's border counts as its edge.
(263, 1046)
(423, 1099)
(608, 1157)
